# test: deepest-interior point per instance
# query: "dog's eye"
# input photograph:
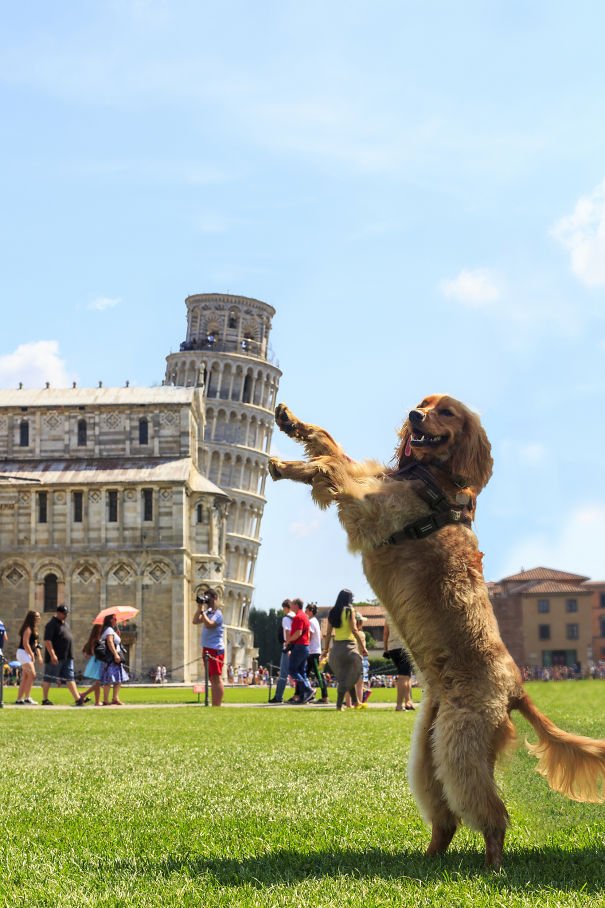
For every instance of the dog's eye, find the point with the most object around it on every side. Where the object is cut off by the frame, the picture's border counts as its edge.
(445, 412)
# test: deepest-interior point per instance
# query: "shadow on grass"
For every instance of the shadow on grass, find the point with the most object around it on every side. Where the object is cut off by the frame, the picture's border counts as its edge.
(525, 869)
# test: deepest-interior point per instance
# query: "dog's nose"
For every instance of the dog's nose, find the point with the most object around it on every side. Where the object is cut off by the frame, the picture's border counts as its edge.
(415, 417)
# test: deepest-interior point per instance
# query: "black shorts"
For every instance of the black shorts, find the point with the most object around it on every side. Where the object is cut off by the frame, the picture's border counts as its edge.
(401, 661)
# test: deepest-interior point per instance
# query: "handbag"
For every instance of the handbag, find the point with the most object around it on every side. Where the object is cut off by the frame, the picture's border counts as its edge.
(102, 652)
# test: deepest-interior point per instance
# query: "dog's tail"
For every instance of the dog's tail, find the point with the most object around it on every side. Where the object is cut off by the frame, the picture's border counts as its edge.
(572, 764)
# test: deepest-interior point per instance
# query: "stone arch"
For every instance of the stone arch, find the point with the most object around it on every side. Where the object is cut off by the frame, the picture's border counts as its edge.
(209, 426)
(49, 566)
(15, 571)
(192, 371)
(252, 432)
(226, 471)
(237, 472)
(157, 570)
(85, 571)
(258, 387)
(233, 429)
(238, 382)
(121, 572)
(248, 387)
(214, 378)
(215, 466)
(220, 426)
(226, 382)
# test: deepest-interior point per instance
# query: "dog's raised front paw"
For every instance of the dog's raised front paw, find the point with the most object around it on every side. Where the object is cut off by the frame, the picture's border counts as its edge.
(274, 471)
(285, 420)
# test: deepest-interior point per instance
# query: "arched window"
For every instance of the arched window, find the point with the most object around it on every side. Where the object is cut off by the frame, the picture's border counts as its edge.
(247, 394)
(24, 433)
(51, 591)
(143, 431)
(82, 433)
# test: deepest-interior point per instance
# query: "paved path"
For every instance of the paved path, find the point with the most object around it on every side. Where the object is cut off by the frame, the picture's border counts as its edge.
(127, 706)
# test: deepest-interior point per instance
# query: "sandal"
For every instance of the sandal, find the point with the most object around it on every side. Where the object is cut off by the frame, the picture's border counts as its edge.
(116, 703)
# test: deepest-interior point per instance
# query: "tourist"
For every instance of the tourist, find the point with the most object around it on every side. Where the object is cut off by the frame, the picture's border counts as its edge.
(28, 653)
(210, 616)
(58, 657)
(113, 674)
(396, 652)
(315, 652)
(297, 642)
(93, 669)
(284, 662)
(347, 650)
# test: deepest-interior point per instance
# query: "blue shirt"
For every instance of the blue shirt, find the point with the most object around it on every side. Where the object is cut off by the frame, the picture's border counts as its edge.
(2, 634)
(212, 637)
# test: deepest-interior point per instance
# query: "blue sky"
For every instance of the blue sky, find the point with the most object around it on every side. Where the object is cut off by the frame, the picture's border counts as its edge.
(418, 189)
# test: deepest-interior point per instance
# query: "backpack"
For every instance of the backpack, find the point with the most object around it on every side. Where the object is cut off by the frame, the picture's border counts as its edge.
(102, 651)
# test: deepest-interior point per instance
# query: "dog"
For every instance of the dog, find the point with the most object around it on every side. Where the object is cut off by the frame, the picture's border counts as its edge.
(412, 526)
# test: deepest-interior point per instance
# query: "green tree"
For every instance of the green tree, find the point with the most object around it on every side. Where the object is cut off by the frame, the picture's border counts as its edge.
(265, 626)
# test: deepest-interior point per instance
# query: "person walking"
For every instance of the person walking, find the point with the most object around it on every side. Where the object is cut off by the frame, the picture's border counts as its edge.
(297, 642)
(284, 661)
(93, 669)
(28, 653)
(362, 685)
(210, 616)
(113, 674)
(397, 653)
(347, 650)
(58, 657)
(315, 652)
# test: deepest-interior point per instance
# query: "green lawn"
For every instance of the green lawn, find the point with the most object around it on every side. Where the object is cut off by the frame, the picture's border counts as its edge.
(270, 807)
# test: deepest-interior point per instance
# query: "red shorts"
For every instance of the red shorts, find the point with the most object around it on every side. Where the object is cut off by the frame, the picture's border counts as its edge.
(216, 660)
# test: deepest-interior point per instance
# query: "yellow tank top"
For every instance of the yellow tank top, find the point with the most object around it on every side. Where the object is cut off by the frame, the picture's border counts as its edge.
(344, 632)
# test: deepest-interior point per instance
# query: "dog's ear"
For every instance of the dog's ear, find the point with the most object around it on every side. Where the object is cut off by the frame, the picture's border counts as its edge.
(471, 454)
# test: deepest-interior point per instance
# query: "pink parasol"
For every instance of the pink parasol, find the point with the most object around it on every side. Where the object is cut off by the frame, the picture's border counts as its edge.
(122, 612)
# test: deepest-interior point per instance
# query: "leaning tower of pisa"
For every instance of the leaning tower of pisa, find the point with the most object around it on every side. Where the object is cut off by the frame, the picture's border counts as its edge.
(227, 350)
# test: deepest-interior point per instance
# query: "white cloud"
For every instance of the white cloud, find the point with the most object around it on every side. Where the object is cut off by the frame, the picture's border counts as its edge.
(104, 302)
(34, 364)
(472, 287)
(577, 547)
(582, 233)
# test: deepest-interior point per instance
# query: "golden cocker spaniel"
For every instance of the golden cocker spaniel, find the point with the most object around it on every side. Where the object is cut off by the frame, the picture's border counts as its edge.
(411, 525)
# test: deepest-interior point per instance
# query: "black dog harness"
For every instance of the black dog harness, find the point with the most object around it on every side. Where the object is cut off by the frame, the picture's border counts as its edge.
(442, 510)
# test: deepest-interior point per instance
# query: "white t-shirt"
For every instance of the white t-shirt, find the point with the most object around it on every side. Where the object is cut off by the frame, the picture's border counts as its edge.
(286, 624)
(314, 637)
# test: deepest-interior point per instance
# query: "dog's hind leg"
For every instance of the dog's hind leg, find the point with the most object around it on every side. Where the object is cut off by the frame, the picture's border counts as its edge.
(425, 785)
(465, 749)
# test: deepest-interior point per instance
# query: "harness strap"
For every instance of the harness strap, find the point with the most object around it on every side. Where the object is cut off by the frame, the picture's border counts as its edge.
(443, 511)
(424, 526)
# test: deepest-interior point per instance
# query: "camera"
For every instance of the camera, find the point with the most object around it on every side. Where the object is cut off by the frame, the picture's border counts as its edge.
(203, 599)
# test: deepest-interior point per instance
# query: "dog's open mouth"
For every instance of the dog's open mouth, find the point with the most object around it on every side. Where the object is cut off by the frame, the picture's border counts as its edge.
(423, 439)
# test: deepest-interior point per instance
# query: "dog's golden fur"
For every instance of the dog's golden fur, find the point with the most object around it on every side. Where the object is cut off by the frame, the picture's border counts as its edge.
(434, 590)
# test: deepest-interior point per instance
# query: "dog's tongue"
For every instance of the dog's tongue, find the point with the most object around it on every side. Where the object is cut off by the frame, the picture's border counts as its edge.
(408, 447)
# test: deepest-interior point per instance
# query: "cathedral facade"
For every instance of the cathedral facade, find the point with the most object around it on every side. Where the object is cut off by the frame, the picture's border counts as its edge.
(107, 497)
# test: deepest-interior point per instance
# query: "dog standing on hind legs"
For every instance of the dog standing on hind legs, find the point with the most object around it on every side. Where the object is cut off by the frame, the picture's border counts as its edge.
(412, 527)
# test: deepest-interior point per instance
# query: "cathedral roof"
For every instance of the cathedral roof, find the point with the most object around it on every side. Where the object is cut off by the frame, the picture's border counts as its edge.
(81, 397)
(110, 471)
